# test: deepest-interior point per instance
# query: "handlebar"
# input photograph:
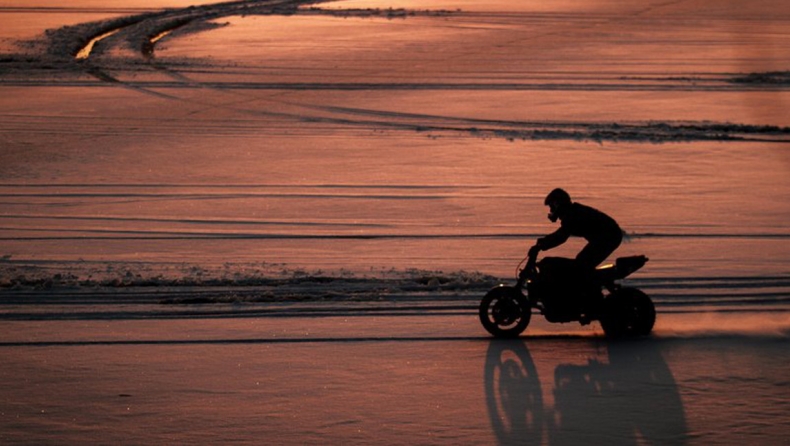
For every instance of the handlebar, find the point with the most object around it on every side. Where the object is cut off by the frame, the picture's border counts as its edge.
(530, 267)
(532, 257)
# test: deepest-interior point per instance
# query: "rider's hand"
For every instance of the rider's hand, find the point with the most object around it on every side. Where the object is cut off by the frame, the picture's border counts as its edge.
(533, 252)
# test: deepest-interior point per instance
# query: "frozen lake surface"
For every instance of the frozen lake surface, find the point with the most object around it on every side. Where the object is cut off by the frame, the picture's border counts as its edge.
(273, 220)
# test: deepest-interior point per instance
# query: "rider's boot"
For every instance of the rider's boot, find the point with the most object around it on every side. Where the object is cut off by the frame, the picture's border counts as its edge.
(592, 303)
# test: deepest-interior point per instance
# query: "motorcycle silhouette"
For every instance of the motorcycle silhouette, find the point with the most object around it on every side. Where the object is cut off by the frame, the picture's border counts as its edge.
(562, 292)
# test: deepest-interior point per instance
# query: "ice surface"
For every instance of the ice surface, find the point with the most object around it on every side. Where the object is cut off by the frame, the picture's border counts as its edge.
(234, 222)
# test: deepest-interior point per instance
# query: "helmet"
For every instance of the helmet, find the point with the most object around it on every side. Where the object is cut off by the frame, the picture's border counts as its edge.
(559, 196)
(557, 200)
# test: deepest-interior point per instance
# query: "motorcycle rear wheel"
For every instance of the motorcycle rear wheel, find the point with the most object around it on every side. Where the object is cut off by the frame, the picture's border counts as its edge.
(628, 312)
(505, 312)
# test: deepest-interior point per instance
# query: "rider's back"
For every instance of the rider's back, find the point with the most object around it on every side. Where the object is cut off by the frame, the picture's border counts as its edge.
(590, 223)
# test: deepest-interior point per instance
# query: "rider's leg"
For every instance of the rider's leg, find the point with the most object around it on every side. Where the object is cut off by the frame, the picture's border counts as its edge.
(594, 254)
(588, 258)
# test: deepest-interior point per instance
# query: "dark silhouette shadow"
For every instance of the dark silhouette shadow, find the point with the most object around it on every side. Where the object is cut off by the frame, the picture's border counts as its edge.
(631, 399)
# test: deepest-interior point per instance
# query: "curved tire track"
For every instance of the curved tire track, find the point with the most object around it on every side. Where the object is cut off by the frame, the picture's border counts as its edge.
(81, 46)
(143, 31)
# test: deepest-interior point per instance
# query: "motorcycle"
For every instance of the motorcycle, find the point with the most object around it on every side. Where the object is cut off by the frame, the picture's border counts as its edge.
(559, 290)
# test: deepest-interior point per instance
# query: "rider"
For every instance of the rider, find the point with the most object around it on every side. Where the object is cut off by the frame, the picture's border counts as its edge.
(602, 233)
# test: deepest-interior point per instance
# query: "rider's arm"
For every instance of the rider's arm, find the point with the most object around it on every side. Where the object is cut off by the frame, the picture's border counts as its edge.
(554, 239)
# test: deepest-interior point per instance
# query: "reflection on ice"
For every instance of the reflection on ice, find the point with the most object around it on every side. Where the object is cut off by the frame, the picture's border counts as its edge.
(625, 395)
(513, 394)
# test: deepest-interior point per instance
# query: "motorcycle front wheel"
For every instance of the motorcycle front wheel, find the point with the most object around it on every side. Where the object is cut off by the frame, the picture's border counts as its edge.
(505, 312)
(628, 312)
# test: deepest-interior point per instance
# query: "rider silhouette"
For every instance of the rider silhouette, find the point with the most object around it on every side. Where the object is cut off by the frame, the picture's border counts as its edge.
(602, 233)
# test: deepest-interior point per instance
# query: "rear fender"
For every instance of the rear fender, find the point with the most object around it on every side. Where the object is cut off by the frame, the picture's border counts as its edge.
(622, 268)
(628, 265)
